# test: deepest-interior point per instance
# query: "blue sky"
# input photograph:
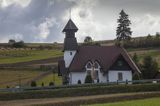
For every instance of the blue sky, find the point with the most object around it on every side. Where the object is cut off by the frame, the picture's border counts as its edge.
(43, 20)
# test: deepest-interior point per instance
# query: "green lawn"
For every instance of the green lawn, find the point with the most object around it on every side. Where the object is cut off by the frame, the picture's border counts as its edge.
(50, 78)
(145, 102)
(14, 56)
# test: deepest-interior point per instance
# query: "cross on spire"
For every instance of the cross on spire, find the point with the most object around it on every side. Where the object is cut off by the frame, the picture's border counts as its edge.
(70, 13)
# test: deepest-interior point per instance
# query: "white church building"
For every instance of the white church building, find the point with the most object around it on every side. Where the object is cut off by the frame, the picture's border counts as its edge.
(103, 63)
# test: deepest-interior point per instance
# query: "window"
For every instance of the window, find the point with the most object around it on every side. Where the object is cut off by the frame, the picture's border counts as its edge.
(93, 69)
(97, 74)
(120, 63)
(96, 65)
(89, 68)
(120, 76)
(89, 65)
(70, 53)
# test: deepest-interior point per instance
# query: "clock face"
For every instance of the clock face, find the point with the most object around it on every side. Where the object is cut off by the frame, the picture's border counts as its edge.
(120, 63)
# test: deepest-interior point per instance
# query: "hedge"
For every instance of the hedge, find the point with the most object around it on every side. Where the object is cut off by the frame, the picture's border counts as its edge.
(81, 91)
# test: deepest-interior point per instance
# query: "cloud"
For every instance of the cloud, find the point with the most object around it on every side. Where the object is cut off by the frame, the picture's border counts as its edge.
(43, 20)
(6, 3)
(147, 24)
(44, 28)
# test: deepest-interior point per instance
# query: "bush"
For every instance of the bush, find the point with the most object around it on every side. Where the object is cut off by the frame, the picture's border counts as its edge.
(88, 79)
(51, 84)
(33, 84)
(79, 81)
(42, 84)
(136, 77)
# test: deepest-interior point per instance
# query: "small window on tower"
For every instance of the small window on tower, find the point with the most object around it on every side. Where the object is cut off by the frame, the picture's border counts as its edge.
(70, 53)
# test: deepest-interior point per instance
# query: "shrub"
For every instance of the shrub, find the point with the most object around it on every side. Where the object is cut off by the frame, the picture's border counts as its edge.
(33, 84)
(136, 77)
(51, 84)
(79, 81)
(96, 89)
(42, 84)
(88, 79)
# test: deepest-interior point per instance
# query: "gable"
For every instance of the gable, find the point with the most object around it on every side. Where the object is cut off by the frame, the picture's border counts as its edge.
(120, 64)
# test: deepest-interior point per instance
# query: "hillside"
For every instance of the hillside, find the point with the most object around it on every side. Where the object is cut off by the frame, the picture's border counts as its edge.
(16, 56)
(28, 61)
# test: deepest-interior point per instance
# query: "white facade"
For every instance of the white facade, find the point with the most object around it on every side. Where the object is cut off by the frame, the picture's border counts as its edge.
(75, 76)
(113, 75)
(102, 77)
(68, 57)
(94, 67)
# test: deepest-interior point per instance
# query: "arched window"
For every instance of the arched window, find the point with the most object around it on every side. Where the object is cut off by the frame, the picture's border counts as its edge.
(97, 69)
(89, 67)
(96, 65)
(93, 69)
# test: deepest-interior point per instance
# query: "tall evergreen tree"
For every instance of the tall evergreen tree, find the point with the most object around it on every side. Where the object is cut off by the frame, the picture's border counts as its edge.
(123, 31)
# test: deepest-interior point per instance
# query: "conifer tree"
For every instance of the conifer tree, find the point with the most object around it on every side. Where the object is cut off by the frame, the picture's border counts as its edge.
(123, 31)
(149, 68)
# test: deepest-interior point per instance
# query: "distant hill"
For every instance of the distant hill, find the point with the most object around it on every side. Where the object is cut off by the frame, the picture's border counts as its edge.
(28, 61)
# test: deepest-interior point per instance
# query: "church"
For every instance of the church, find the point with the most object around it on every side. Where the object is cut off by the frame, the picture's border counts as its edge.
(103, 63)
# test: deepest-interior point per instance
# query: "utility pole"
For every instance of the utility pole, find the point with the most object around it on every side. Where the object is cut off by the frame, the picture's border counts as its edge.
(53, 75)
(19, 80)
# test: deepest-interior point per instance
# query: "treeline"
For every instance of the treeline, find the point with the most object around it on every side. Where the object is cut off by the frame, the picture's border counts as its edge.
(15, 44)
(143, 42)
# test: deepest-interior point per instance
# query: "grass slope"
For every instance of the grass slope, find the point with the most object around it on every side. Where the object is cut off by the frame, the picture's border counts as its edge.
(50, 78)
(145, 102)
(11, 77)
(14, 56)
(141, 53)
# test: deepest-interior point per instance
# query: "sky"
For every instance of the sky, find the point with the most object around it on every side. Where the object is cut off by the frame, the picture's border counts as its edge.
(41, 21)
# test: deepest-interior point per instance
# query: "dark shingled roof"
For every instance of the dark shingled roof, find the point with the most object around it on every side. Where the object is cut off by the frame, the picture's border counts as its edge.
(105, 55)
(70, 26)
(70, 44)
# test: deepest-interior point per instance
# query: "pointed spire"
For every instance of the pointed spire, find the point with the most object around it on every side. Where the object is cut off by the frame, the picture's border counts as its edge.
(70, 26)
(70, 41)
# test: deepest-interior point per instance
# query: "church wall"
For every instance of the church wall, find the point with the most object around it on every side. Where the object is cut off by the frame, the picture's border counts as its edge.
(75, 76)
(113, 75)
(68, 57)
(102, 78)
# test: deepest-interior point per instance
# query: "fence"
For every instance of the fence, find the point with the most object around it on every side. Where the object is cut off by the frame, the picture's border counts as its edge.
(22, 89)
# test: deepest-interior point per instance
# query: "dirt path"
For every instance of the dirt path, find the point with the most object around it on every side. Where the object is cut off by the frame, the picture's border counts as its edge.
(76, 101)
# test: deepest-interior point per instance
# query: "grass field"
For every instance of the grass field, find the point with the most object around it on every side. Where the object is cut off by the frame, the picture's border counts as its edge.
(12, 78)
(141, 53)
(145, 102)
(50, 78)
(14, 56)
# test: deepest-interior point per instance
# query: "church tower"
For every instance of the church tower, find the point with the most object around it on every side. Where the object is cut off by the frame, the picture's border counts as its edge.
(70, 42)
